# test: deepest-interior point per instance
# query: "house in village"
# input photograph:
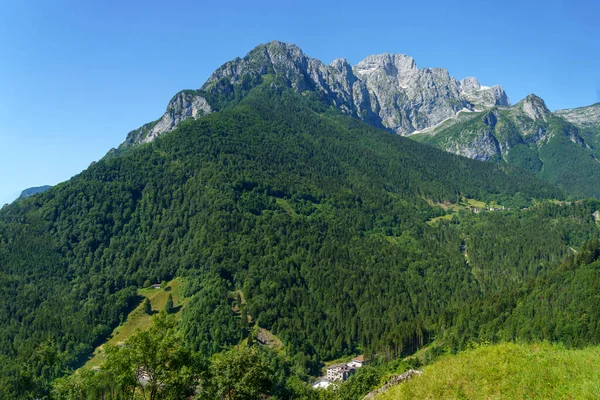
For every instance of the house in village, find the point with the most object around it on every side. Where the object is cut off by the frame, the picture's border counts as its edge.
(340, 372)
(357, 362)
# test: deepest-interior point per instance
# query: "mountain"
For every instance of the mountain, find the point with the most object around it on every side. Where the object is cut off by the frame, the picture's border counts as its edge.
(33, 190)
(389, 91)
(273, 187)
(320, 220)
(528, 135)
(385, 90)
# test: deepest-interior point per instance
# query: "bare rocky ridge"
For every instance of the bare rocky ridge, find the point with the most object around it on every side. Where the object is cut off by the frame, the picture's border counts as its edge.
(584, 117)
(385, 90)
(410, 99)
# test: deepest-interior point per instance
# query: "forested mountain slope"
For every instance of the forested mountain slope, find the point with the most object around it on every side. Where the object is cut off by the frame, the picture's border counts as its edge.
(317, 217)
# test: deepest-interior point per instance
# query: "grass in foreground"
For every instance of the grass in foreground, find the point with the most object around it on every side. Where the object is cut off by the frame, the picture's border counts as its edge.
(507, 371)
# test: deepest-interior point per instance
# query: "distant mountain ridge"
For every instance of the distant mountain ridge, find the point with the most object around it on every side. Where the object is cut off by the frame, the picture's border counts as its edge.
(385, 90)
(33, 191)
(561, 147)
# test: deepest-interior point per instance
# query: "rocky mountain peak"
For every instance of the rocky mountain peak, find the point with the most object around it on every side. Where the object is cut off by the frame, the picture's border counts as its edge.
(271, 58)
(340, 64)
(385, 90)
(470, 85)
(483, 95)
(534, 107)
(395, 65)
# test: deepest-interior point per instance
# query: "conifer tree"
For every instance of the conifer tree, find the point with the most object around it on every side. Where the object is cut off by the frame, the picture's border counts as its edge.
(169, 305)
(244, 321)
(147, 307)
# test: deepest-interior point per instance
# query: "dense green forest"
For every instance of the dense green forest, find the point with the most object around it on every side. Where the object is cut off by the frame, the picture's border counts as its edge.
(320, 220)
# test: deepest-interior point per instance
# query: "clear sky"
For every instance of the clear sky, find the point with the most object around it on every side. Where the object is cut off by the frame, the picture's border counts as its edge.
(76, 76)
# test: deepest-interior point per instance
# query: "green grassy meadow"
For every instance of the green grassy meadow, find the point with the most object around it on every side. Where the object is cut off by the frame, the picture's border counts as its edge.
(507, 371)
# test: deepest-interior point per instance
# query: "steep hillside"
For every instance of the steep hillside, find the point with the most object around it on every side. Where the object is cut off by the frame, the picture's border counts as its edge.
(507, 371)
(318, 218)
(527, 135)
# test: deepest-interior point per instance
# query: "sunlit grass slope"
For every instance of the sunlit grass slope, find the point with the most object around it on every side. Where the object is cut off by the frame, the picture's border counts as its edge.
(508, 371)
(139, 320)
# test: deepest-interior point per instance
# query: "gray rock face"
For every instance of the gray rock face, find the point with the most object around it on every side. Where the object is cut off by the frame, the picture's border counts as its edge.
(483, 148)
(409, 99)
(184, 105)
(583, 117)
(385, 90)
(534, 107)
(337, 82)
(482, 95)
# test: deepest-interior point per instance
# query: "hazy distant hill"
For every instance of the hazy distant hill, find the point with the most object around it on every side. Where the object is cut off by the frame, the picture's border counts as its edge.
(33, 190)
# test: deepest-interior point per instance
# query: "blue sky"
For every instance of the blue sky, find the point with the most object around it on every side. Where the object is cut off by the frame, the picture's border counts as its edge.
(75, 76)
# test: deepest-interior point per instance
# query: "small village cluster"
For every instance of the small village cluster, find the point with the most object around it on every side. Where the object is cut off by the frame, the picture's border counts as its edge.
(339, 372)
(477, 210)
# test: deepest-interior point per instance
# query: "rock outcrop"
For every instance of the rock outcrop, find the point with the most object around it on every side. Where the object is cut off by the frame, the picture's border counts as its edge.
(493, 133)
(483, 95)
(529, 136)
(534, 107)
(185, 104)
(393, 382)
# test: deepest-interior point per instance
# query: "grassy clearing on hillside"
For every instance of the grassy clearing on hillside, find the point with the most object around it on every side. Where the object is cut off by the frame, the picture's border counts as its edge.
(465, 204)
(138, 319)
(507, 371)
